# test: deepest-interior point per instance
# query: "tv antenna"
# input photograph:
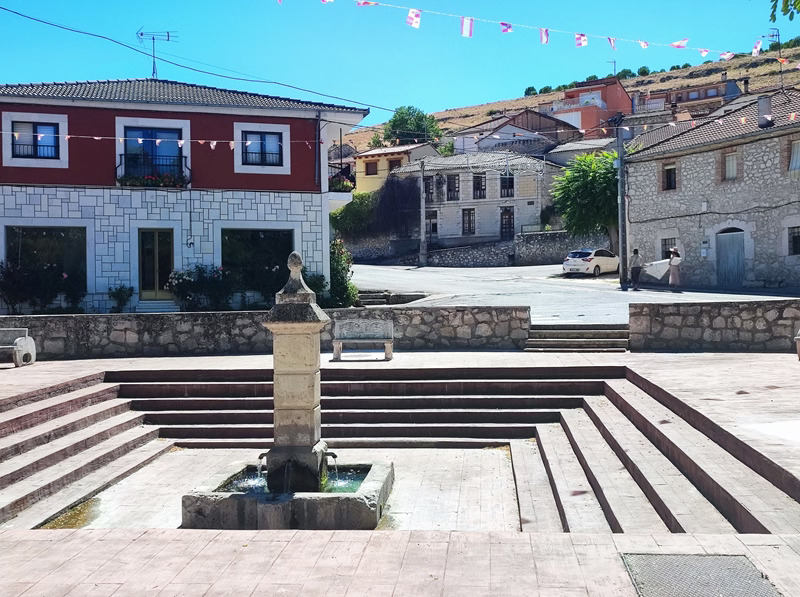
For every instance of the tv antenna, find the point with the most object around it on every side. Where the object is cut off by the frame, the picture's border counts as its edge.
(155, 36)
(775, 35)
(614, 63)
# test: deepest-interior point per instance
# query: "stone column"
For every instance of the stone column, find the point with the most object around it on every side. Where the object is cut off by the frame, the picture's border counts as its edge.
(296, 461)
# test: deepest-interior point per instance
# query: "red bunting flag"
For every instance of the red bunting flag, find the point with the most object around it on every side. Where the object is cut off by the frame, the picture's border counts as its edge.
(783, 60)
(580, 40)
(644, 44)
(413, 18)
(680, 44)
(506, 28)
(467, 24)
(757, 48)
(613, 42)
(743, 119)
(544, 35)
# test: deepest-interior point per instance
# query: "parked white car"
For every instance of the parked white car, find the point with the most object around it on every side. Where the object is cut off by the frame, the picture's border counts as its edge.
(590, 261)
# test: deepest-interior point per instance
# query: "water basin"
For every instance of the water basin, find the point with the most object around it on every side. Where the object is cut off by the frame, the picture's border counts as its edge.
(248, 481)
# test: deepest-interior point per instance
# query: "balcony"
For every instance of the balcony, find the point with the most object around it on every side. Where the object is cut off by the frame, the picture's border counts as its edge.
(651, 105)
(576, 103)
(144, 170)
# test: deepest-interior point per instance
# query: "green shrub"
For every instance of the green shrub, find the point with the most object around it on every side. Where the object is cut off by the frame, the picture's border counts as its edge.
(74, 290)
(202, 287)
(339, 184)
(121, 294)
(44, 284)
(343, 292)
(356, 217)
(13, 285)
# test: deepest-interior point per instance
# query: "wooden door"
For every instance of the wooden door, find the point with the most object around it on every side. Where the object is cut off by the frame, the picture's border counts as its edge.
(156, 259)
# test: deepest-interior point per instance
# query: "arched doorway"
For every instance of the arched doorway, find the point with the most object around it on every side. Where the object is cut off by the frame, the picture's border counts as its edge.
(730, 257)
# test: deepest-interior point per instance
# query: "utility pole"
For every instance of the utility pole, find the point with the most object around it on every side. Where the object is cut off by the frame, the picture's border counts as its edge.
(423, 199)
(622, 221)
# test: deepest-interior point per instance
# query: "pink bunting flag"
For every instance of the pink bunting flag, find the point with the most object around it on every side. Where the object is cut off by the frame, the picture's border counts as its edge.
(506, 28)
(613, 42)
(680, 44)
(544, 35)
(757, 48)
(413, 18)
(365, 3)
(326, 1)
(726, 55)
(580, 40)
(467, 24)
(703, 52)
(644, 44)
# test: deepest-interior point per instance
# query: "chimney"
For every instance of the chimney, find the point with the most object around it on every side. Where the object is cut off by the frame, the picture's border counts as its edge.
(723, 76)
(746, 84)
(764, 111)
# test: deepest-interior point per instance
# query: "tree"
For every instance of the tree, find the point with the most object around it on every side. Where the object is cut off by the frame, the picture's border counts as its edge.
(530, 91)
(625, 73)
(591, 78)
(788, 8)
(448, 148)
(675, 67)
(545, 89)
(643, 71)
(375, 141)
(410, 125)
(686, 65)
(586, 195)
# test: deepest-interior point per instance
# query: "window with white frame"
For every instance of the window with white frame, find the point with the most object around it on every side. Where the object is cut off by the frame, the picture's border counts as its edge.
(729, 167)
(261, 148)
(794, 160)
(35, 140)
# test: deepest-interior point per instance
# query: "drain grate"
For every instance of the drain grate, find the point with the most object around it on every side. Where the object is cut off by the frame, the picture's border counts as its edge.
(697, 576)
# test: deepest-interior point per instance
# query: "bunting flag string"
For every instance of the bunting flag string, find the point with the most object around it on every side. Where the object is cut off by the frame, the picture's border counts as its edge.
(467, 24)
(414, 17)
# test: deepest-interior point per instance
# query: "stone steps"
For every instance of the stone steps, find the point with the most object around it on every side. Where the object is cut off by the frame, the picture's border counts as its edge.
(54, 452)
(29, 415)
(748, 501)
(348, 442)
(165, 306)
(682, 507)
(34, 488)
(584, 344)
(538, 511)
(88, 486)
(565, 337)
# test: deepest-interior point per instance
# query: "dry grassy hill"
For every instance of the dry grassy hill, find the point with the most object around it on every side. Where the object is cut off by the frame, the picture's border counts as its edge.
(762, 70)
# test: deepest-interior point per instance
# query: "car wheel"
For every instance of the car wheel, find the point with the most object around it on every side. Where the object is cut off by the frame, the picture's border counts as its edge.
(596, 271)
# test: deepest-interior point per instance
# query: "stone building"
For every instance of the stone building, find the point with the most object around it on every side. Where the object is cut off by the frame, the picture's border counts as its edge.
(725, 191)
(482, 197)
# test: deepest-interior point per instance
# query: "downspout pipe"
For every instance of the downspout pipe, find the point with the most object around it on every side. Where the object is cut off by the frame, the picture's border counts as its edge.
(317, 149)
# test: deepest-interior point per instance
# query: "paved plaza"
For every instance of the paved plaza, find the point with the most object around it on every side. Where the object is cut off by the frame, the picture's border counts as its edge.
(461, 521)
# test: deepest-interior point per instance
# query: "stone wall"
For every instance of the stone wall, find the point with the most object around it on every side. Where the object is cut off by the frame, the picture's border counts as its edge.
(112, 218)
(241, 332)
(367, 249)
(758, 326)
(494, 254)
(548, 248)
(761, 202)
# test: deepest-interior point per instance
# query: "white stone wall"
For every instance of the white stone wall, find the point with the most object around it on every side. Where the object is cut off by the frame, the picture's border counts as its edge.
(764, 201)
(113, 216)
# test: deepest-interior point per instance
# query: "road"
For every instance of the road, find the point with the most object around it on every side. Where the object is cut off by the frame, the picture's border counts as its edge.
(551, 297)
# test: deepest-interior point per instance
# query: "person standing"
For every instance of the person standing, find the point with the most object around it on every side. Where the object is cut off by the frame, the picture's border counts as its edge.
(636, 268)
(675, 269)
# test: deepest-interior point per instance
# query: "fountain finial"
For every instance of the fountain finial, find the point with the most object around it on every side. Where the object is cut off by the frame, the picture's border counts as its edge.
(295, 290)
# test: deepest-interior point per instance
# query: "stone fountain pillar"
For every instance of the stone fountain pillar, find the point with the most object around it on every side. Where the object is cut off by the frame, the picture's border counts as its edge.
(297, 460)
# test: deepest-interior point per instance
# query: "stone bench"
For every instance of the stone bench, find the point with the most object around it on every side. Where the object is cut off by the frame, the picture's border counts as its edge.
(363, 331)
(21, 346)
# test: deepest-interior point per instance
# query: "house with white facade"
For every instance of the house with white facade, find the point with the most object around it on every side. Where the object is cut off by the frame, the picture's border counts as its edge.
(481, 197)
(725, 190)
(124, 181)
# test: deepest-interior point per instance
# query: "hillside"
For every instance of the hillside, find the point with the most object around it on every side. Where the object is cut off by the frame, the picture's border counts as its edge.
(762, 70)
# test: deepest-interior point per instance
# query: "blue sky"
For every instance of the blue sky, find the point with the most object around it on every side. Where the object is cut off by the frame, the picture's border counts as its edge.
(368, 54)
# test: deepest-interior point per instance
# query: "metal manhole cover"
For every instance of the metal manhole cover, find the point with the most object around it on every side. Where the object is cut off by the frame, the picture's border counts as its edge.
(696, 576)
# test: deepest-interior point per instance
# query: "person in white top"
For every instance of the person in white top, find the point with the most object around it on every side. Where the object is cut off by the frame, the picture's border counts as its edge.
(675, 269)
(636, 268)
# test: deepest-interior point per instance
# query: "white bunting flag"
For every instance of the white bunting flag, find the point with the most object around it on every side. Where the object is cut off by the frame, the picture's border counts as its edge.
(95, 138)
(16, 136)
(213, 144)
(580, 40)
(467, 24)
(232, 143)
(726, 55)
(67, 137)
(680, 44)
(181, 142)
(704, 52)
(613, 42)
(757, 48)
(644, 44)
(544, 35)
(139, 141)
(158, 142)
(413, 18)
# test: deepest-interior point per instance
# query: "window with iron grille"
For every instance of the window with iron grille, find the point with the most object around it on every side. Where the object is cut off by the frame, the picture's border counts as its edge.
(453, 187)
(670, 177)
(507, 185)
(262, 149)
(37, 140)
(467, 221)
(729, 167)
(395, 164)
(666, 246)
(479, 186)
(153, 152)
(428, 184)
(371, 168)
(794, 240)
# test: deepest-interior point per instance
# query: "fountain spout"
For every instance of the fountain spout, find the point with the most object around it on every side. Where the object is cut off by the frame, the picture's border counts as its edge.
(331, 454)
